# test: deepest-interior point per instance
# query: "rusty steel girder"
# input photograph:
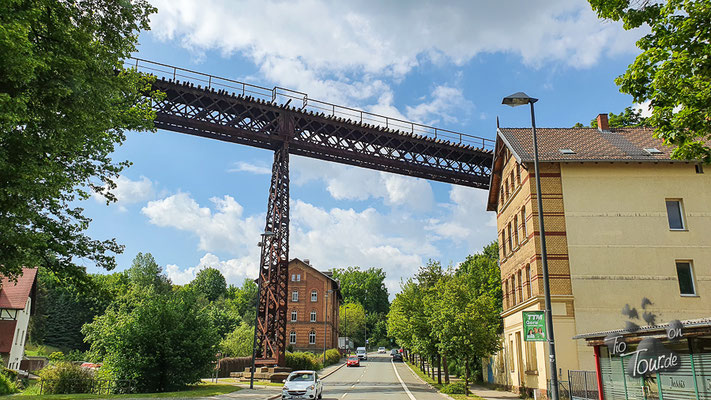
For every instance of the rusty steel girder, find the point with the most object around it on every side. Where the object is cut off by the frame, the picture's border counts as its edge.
(273, 270)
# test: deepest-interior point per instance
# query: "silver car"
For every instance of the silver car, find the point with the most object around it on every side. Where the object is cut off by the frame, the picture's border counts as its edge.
(302, 385)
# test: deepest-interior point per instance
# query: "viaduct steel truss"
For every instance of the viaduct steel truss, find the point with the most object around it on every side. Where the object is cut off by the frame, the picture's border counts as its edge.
(264, 123)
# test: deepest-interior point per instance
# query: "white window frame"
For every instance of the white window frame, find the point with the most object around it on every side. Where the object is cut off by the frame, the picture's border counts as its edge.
(298, 277)
(691, 273)
(292, 337)
(293, 277)
(295, 296)
(681, 214)
(294, 315)
(314, 295)
(312, 337)
(313, 316)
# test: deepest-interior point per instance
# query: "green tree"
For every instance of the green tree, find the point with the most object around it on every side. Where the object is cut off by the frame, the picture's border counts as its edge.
(162, 340)
(211, 283)
(673, 70)
(243, 300)
(365, 287)
(627, 118)
(145, 272)
(223, 318)
(65, 103)
(352, 322)
(238, 343)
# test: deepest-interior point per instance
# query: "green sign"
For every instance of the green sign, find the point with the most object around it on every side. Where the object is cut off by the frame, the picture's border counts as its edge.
(534, 326)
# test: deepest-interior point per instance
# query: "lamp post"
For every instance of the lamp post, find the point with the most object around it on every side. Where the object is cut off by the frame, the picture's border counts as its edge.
(519, 99)
(325, 320)
(261, 244)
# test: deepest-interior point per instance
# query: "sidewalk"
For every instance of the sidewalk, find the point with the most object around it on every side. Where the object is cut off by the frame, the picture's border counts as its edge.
(490, 394)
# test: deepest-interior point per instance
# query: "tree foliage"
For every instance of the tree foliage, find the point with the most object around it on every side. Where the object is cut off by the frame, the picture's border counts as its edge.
(628, 118)
(366, 287)
(352, 321)
(673, 71)
(163, 340)
(65, 103)
(238, 343)
(145, 272)
(211, 283)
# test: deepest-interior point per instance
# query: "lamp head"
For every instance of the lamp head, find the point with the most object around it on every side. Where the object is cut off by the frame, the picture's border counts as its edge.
(267, 234)
(518, 99)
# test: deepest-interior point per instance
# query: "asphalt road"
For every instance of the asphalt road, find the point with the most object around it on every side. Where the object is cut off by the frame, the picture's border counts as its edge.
(377, 379)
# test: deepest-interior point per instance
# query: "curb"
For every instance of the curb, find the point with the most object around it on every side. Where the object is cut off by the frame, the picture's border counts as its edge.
(278, 396)
(428, 385)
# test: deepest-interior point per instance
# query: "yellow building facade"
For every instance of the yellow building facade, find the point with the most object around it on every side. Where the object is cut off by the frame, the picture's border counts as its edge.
(606, 197)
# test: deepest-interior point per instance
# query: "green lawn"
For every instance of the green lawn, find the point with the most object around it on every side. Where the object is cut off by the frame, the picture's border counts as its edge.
(201, 390)
(437, 386)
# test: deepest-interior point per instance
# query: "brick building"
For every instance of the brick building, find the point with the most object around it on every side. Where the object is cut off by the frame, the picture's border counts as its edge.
(311, 294)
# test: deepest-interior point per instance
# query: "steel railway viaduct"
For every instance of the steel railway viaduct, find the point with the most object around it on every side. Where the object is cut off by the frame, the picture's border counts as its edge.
(289, 122)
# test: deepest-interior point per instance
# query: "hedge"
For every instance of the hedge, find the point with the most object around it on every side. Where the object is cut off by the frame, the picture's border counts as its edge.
(232, 364)
(303, 360)
(333, 356)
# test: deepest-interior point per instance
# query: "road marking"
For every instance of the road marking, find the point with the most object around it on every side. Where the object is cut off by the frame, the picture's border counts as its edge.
(404, 386)
(344, 395)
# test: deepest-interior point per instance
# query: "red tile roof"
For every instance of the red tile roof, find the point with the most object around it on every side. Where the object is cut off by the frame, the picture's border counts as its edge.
(13, 295)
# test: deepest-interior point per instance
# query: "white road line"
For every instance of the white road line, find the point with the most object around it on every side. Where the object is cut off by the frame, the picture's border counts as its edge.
(344, 395)
(404, 386)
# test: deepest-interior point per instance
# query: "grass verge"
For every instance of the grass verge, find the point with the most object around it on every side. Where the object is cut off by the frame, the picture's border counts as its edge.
(200, 390)
(437, 386)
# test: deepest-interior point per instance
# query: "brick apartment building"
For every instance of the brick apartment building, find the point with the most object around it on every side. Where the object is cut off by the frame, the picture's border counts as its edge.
(311, 294)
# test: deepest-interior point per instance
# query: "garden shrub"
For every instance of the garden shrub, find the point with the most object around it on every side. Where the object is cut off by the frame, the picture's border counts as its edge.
(302, 360)
(333, 356)
(65, 378)
(7, 385)
(454, 388)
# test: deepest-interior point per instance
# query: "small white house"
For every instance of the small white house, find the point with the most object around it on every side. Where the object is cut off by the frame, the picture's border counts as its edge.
(15, 309)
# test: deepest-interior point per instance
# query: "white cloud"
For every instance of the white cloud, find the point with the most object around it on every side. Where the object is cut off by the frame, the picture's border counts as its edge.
(369, 37)
(644, 107)
(179, 276)
(446, 103)
(465, 221)
(130, 192)
(242, 166)
(345, 182)
(224, 229)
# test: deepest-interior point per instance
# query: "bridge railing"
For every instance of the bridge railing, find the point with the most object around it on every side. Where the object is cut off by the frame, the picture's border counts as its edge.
(301, 100)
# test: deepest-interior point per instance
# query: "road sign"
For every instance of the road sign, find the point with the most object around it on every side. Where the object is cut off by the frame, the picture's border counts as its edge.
(534, 326)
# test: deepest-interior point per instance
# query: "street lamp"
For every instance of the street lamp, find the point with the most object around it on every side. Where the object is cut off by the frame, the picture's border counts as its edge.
(325, 320)
(519, 99)
(261, 244)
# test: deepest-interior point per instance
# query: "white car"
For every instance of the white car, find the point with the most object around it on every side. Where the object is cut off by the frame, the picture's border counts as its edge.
(302, 385)
(381, 350)
(362, 353)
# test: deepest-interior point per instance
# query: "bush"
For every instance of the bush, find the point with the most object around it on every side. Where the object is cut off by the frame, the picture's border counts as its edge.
(233, 364)
(302, 360)
(333, 356)
(65, 378)
(454, 388)
(7, 385)
(56, 356)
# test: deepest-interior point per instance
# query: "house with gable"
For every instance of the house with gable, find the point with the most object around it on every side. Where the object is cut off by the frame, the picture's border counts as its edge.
(16, 307)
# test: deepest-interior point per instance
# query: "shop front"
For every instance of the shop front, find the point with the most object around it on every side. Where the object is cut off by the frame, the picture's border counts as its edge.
(664, 362)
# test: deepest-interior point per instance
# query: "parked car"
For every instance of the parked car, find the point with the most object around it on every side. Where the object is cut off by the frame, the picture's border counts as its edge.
(353, 361)
(302, 385)
(393, 352)
(362, 353)
(381, 350)
(397, 357)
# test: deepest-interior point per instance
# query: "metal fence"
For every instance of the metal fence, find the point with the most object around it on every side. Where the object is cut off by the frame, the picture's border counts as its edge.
(563, 389)
(91, 386)
(583, 385)
(302, 101)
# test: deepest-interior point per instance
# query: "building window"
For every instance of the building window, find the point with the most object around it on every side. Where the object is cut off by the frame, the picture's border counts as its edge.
(529, 280)
(512, 367)
(314, 295)
(520, 285)
(506, 186)
(515, 224)
(312, 337)
(510, 241)
(293, 277)
(313, 316)
(511, 178)
(531, 359)
(503, 242)
(292, 337)
(675, 214)
(513, 289)
(523, 223)
(518, 174)
(506, 293)
(293, 316)
(686, 278)
(298, 277)
(295, 296)
(699, 169)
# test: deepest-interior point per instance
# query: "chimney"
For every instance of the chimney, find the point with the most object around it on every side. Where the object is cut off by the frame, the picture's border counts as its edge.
(602, 124)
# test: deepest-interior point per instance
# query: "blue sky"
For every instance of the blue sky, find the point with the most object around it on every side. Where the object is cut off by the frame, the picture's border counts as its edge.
(194, 203)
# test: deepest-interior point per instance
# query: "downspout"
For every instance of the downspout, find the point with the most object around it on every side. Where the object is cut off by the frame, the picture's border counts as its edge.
(598, 374)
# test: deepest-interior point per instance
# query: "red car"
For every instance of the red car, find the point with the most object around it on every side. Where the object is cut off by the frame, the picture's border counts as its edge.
(353, 361)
